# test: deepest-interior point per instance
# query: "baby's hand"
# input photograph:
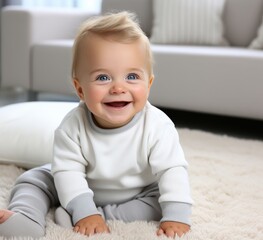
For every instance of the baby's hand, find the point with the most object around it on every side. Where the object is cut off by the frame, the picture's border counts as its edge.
(91, 225)
(171, 229)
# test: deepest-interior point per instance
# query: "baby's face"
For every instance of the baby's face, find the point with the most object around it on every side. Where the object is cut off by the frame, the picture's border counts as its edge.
(113, 79)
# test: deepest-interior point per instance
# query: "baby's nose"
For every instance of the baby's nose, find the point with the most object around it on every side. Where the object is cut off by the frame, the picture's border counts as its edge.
(118, 88)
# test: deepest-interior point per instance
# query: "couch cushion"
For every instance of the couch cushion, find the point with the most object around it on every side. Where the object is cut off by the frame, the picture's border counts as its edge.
(51, 66)
(27, 131)
(188, 22)
(242, 19)
(142, 8)
(218, 80)
(257, 43)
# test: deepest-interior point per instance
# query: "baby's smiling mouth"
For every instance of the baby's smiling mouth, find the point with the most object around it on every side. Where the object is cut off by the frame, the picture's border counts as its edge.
(117, 104)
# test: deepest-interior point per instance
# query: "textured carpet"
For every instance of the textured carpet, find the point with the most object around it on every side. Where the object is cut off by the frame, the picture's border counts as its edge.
(226, 176)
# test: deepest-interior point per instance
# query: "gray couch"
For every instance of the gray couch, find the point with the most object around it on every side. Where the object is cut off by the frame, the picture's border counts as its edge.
(36, 55)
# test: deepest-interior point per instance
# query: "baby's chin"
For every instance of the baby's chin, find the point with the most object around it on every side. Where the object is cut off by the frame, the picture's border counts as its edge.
(112, 123)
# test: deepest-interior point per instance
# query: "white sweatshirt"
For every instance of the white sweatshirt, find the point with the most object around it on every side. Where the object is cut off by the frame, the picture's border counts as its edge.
(95, 167)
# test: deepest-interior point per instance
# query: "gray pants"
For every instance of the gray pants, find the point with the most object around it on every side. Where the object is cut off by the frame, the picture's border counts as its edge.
(34, 194)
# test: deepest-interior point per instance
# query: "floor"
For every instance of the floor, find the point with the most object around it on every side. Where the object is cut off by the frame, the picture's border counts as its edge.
(237, 127)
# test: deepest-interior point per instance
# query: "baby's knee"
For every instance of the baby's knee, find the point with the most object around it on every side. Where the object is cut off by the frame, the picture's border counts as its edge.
(27, 177)
(63, 218)
(40, 177)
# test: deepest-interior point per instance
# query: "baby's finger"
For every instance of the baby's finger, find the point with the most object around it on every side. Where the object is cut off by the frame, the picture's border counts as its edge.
(76, 229)
(160, 232)
(90, 231)
(102, 230)
(179, 232)
(169, 232)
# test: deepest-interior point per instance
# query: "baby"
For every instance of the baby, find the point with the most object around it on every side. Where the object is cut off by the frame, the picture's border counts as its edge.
(116, 157)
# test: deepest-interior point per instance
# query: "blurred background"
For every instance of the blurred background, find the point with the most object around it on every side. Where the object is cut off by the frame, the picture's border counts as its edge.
(208, 83)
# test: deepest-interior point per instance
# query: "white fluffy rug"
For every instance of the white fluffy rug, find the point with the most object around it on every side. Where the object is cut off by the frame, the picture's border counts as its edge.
(226, 176)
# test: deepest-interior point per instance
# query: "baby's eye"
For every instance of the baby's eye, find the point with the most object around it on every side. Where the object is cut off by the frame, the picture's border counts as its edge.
(133, 76)
(103, 77)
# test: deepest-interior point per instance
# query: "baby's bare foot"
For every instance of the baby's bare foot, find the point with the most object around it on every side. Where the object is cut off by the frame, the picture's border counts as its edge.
(5, 214)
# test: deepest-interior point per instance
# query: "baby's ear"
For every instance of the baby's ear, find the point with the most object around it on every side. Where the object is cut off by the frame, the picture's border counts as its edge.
(78, 88)
(151, 80)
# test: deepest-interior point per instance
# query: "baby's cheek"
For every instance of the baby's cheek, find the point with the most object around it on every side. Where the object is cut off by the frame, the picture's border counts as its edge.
(95, 94)
(142, 93)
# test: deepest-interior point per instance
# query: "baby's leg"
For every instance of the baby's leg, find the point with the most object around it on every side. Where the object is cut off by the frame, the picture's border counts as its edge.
(144, 207)
(32, 196)
(19, 225)
(64, 219)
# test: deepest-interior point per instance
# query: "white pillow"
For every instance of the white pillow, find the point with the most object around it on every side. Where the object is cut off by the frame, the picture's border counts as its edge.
(188, 22)
(27, 131)
(257, 43)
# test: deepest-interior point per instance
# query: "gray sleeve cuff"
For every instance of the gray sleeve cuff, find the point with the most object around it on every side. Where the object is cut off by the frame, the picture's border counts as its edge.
(176, 211)
(81, 207)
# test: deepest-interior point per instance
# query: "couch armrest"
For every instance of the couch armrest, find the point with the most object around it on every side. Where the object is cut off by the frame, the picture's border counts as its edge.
(23, 27)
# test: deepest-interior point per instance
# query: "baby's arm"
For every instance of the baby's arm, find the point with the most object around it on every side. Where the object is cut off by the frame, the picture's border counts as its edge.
(69, 170)
(168, 161)
(91, 225)
(171, 229)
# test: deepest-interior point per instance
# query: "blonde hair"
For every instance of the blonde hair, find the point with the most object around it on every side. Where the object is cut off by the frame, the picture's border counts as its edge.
(120, 27)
